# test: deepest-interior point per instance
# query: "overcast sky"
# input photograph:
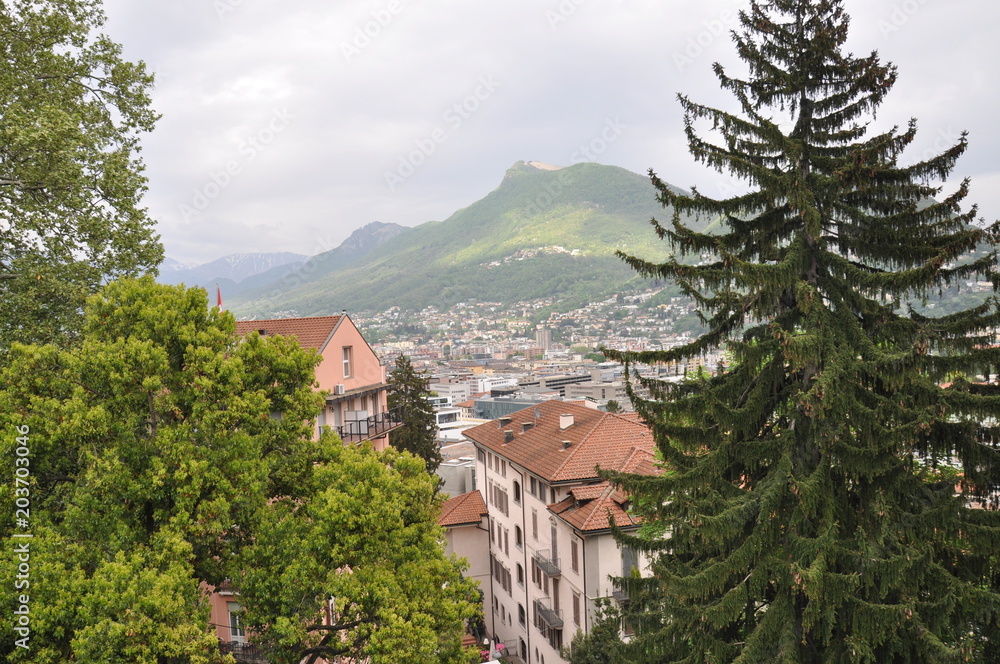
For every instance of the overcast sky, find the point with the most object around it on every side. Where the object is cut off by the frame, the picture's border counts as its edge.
(286, 126)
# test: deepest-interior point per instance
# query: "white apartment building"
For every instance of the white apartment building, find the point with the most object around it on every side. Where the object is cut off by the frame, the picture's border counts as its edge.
(551, 551)
(456, 392)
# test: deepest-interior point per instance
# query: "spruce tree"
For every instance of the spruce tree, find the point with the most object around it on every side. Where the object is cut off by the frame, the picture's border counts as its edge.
(818, 502)
(408, 392)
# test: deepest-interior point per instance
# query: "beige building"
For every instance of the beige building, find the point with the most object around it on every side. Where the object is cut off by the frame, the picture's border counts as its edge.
(551, 550)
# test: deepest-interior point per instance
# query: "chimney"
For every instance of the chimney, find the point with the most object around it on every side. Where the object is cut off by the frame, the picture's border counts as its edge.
(502, 422)
(526, 425)
(508, 436)
(565, 421)
(566, 444)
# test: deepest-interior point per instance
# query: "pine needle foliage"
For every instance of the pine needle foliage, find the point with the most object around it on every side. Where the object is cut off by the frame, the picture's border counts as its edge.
(408, 396)
(821, 502)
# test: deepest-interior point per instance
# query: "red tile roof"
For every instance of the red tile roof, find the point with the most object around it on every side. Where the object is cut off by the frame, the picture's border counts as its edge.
(462, 510)
(312, 332)
(595, 437)
(591, 507)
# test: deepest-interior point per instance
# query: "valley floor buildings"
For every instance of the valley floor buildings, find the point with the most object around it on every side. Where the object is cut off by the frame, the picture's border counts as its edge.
(535, 522)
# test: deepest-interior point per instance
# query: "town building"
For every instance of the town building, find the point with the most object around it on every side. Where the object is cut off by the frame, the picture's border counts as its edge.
(551, 549)
(350, 373)
(466, 523)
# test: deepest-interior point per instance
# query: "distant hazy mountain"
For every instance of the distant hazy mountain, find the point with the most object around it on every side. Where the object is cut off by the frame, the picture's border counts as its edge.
(544, 232)
(352, 250)
(232, 269)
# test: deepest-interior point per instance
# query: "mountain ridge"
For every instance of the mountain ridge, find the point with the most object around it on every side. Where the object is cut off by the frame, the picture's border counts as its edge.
(542, 233)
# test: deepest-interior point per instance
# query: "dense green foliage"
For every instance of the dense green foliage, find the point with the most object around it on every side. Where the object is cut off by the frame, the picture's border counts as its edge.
(368, 538)
(71, 113)
(166, 452)
(408, 392)
(601, 643)
(809, 514)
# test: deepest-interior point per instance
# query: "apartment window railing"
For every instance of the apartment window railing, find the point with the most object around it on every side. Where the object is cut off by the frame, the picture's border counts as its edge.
(549, 565)
(550, 617)
(243, 653)
(355, 431)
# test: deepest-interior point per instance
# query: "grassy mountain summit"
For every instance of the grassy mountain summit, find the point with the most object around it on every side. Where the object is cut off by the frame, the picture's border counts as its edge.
(544, 232)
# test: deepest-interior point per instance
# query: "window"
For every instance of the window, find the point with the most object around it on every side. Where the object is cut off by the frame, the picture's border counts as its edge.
(506, 541)
(576, 609)
(520, 575)
(630, 560)
(235, 631)
(574, 555)
(482, 456)
(348, 352)
(518, 537)
(498, 498)
(555, 541)
(534, 525)
(517, 492)
(521, 616)
(533, 486)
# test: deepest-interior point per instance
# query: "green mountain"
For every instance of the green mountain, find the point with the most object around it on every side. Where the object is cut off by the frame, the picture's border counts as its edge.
(543, 233)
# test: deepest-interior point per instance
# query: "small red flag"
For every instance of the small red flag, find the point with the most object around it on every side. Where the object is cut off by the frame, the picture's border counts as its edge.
(218, 297)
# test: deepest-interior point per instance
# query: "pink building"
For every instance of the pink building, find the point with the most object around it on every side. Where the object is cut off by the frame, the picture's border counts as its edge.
(352, 376)
(354, 381)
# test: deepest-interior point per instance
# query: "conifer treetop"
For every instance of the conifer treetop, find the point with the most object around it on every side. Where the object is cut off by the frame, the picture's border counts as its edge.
(818, 495)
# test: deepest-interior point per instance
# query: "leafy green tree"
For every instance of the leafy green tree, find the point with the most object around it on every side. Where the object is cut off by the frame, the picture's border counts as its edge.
(161, 447)
(71, 113)
(612, 406)
(601, 644)
(408, 392)
(368, 545)
(808, 517)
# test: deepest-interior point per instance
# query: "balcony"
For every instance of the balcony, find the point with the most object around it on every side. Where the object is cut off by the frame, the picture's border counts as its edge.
(549, 565)
(243, 653)
(551, 617)
(361, 429)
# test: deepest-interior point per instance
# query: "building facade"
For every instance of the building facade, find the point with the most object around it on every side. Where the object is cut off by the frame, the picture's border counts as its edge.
(350, 373)
(552, 555)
